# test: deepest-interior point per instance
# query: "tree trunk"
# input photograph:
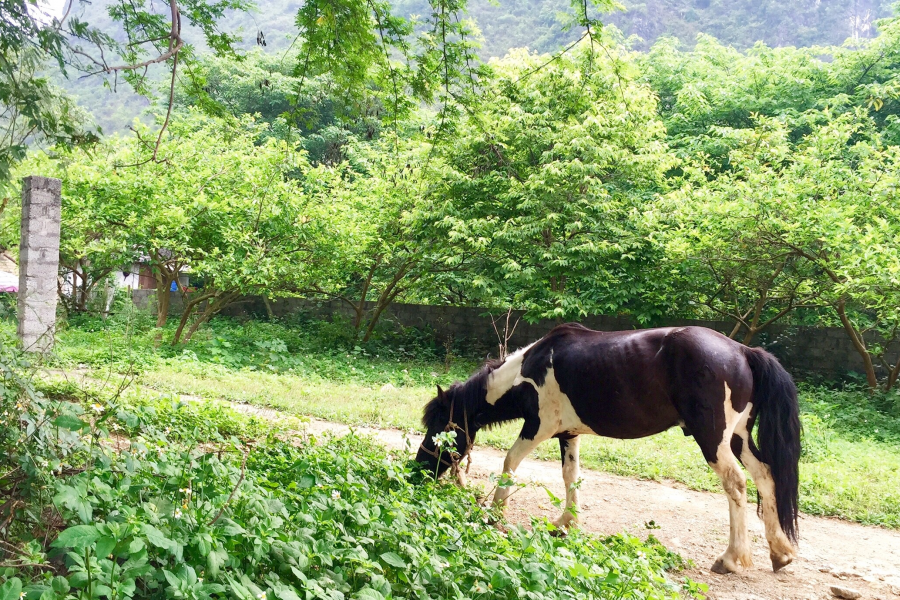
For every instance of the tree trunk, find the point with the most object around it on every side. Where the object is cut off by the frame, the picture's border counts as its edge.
(83, 300)
(164, 281)
(269, 312)
(387, 297)
(212, 309)
(859, 343)
(186, 315)
(360, 309)
(892, 378)
(748, 337)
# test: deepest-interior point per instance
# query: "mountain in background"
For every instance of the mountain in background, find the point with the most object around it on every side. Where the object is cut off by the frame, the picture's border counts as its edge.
(535, 24)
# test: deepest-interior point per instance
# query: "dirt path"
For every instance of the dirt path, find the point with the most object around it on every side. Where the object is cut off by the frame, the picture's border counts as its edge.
(695, 524)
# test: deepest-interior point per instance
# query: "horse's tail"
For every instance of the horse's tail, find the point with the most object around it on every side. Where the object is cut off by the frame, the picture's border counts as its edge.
(776, 408)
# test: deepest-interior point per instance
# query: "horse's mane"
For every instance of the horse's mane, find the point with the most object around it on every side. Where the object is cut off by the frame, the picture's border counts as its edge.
(465, 396)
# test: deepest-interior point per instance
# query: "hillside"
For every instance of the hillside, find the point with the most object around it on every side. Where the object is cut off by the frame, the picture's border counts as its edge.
(509, 24)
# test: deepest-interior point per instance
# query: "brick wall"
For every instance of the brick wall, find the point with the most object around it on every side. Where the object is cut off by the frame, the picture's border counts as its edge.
(821, 351)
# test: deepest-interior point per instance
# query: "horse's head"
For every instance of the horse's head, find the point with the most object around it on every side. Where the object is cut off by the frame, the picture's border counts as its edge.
(446, 412)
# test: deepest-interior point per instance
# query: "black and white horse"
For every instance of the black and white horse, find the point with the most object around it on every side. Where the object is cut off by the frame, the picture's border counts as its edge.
(632, 384)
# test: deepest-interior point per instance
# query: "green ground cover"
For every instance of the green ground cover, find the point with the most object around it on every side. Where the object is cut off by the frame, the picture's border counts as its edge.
(130, 496)
(850, 465)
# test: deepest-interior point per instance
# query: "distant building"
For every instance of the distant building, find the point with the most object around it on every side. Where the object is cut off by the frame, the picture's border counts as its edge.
(9, 273)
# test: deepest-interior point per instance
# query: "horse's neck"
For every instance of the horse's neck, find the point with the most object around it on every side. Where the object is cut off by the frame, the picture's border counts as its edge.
(504, 377)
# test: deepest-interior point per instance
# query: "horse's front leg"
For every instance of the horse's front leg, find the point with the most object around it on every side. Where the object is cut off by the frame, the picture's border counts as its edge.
(519, 450)
(568, 449)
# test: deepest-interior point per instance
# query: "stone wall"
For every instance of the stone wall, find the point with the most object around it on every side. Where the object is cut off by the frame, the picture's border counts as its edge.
(805, 351)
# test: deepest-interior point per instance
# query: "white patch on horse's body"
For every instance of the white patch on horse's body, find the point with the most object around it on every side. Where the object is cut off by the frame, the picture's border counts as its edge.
(556, 415)
(556, 409)
(738, 553)
(506, 376)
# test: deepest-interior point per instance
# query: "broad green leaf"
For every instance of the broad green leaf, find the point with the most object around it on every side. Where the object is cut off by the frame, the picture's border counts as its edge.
(78, 537)
(158, 538)
(69, 422)
(11, 589)
(393, 559)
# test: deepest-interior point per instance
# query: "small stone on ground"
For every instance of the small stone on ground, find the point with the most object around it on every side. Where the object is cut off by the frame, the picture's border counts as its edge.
(846, 593)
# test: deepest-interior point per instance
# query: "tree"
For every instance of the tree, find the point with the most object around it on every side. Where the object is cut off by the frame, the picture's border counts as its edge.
(33, 112)
(382, 245)
(545, 183)
(717, 233)
(220, 206)
(824, 207)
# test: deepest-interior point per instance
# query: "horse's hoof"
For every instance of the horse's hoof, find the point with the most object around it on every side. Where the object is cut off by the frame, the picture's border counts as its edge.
(720, 568)
(559, 532)
(780, 561)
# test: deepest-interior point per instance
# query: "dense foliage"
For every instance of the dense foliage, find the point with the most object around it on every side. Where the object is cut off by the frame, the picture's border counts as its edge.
(136, 497)
(757, 186)
(380, 159)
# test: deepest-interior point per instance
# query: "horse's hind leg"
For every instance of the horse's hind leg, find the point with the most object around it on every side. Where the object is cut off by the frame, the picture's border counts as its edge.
(735, 483)
(716, 446)
(568, 449)
(781, 551)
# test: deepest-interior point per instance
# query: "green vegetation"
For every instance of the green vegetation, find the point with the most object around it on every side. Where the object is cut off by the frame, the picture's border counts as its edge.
(375, 159)
(137, 497)
(850, 466)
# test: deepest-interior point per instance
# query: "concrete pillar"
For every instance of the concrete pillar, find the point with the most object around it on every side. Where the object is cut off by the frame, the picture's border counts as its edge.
(39, 262)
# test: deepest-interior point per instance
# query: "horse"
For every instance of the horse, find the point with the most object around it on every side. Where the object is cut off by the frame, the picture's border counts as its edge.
(633, 384)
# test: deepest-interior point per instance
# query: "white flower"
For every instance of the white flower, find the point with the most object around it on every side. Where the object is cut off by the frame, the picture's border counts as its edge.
(98, 408)
(261, 596)
(335, 495)
(177, 513)
(21, 595)
(199, 580)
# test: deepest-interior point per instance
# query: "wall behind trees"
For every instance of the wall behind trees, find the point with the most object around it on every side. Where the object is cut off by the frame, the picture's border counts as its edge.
(818, 352)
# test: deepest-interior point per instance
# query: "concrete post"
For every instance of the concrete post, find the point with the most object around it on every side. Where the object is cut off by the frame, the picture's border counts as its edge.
(39, 262)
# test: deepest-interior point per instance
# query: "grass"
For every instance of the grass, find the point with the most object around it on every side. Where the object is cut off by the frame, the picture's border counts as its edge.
(850, 467)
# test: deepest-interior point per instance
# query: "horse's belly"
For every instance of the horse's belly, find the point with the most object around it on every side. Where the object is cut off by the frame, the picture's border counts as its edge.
(628, 420)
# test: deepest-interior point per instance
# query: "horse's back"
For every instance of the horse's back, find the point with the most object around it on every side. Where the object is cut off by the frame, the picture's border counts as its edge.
(614, 380)
(628, 384)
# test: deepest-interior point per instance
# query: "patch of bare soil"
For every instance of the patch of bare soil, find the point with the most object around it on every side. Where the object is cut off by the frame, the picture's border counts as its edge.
(695, 524)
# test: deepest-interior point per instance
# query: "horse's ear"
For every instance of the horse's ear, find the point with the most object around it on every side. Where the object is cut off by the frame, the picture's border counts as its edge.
(440, 392)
